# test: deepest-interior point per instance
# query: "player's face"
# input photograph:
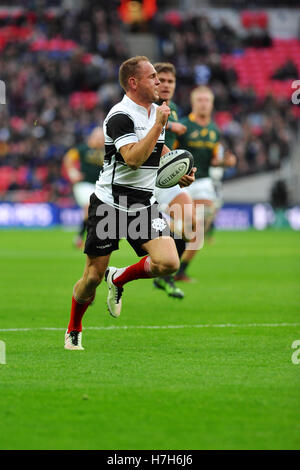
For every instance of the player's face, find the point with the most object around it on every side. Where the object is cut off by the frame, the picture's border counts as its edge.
(202, 104)
(147, 82)
(167, 85)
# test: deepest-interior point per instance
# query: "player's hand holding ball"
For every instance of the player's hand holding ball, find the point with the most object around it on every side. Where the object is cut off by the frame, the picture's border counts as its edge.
(187, 180)
(175, 167)
(162, 114)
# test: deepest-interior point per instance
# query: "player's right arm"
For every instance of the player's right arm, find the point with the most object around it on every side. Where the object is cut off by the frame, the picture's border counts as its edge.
(176, 127)
(229, 160)
(71, 160)
(136, 153)
(180, 141)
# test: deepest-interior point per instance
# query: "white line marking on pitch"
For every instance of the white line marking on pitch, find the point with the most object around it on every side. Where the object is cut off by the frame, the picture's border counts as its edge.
(162, 327)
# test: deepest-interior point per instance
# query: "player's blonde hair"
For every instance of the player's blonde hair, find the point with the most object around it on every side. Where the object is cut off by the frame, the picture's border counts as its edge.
(130, 68)
(201, 89)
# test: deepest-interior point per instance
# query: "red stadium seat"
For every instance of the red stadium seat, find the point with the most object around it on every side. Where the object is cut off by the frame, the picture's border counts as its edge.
(223, 118)
(250, 19)
(6, 177)
(21, 175)
(55, 44)
(86, 99)
(256, 67)
(42, 173)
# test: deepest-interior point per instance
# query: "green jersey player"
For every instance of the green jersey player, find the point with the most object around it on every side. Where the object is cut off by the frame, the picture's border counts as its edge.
(173, 197)
(202, 139)
(83, 164)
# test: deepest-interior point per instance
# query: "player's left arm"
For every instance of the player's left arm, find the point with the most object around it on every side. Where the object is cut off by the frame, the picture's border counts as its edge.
(71, 160)
(229, 160)
(220, 157)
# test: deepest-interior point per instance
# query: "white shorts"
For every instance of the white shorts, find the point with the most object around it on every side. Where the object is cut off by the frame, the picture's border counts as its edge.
(202, 188)
(219, 193)
(166, 195)
(82, 192)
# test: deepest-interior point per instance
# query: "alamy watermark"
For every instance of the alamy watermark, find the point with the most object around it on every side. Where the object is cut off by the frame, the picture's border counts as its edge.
(296, 93)
(296, 354)
(140, 222)
(2, 92)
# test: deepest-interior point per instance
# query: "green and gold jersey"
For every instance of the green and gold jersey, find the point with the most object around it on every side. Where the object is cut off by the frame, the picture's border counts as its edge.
(90, 161)
(170, 137)
(201, 141)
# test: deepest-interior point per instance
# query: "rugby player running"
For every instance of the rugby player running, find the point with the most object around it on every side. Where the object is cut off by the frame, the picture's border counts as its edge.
(202, 139)
(134, 142)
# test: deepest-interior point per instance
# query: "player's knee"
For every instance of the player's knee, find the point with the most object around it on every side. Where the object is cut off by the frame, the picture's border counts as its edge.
(93, 278)
(169, 266)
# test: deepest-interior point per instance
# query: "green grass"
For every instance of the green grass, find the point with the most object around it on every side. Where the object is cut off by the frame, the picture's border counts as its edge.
(186, 388)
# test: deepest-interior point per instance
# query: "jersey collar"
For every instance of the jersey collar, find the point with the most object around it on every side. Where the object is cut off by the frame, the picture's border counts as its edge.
(133, 105)
(192, 118)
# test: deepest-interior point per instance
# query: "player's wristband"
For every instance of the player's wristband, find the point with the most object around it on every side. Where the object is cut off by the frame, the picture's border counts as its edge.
(169, 126)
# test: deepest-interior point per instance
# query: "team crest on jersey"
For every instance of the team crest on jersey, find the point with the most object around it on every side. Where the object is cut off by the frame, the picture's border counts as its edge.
(212, 135)
(158, 224)
(204, 132)
(194, 134)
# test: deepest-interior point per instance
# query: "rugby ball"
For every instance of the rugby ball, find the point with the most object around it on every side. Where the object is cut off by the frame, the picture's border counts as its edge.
(173, 165)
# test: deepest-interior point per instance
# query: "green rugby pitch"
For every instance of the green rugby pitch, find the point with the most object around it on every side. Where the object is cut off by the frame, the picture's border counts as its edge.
(214, 371)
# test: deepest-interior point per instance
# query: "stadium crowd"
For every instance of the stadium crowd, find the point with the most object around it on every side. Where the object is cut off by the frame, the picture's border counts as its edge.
(61, 74)
(259, 131)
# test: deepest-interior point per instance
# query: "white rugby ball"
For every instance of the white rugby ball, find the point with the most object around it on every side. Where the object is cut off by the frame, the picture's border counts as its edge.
(173, 165)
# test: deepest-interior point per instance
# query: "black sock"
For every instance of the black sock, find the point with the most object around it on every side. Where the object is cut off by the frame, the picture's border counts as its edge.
(211, 230)
(180, 245)
(82, 228)
(183, 266)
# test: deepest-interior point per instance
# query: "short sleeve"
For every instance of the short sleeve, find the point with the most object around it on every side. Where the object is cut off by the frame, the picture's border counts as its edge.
(73, 155)
(120, 128)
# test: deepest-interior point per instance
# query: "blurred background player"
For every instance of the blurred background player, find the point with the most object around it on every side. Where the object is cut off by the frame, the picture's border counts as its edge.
(202, 139)
(83, 164)
(216, 173)
(168, 197)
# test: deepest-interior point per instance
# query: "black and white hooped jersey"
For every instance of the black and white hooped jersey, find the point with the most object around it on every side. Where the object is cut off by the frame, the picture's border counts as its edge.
(118, 184)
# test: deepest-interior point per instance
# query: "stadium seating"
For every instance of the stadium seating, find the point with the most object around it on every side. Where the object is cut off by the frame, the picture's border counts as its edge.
(251, 19)
(73, 61)
(255, 67)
